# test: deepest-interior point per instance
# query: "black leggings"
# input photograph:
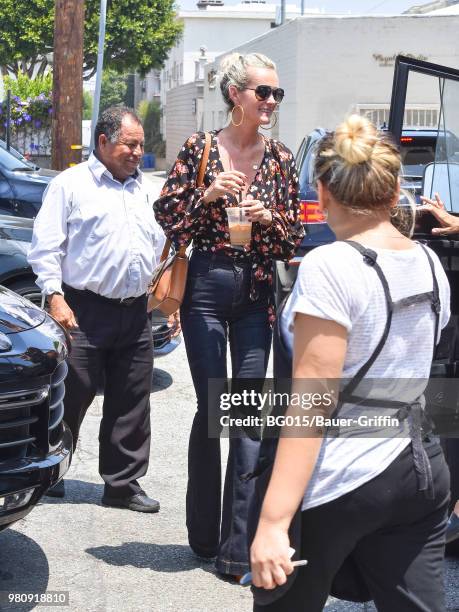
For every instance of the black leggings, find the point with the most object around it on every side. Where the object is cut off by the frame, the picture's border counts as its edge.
(397, 537)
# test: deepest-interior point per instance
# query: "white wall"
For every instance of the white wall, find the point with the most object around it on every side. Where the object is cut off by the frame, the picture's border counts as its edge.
(327, 66)
(181, 120)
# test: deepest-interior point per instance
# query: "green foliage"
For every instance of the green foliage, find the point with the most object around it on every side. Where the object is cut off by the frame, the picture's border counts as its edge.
(139, 34)
(150, 114)
(87, 105)
(114, 89)
(25, 87)
(27, 34)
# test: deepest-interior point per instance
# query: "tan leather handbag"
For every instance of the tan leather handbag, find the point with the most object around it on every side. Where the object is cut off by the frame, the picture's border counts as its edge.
(167, 287)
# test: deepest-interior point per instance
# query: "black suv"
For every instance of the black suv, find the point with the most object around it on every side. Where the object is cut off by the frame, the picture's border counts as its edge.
(417, 147)
(35, 444)
(431, 163)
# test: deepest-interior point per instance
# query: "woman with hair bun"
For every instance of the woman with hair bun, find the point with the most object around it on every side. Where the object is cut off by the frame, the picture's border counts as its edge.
(369, 495)
(229, 294)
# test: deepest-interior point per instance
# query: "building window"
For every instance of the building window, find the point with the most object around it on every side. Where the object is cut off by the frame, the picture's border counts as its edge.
(416, 115)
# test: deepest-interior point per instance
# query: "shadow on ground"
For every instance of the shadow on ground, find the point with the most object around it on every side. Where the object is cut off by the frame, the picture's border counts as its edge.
(78, 492)
(161, 380)
(24, 569)
(157, 557)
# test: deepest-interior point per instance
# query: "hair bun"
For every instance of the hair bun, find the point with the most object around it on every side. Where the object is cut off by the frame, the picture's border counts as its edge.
(355, 139)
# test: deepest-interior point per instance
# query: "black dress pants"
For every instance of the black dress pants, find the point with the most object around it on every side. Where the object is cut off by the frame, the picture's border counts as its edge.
(112, 344)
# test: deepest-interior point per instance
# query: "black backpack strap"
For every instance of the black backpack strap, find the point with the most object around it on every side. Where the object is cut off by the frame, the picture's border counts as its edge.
(369, 257)
(436, 303)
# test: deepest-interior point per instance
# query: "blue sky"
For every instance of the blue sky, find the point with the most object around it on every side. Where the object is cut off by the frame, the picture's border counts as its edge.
(340, 6)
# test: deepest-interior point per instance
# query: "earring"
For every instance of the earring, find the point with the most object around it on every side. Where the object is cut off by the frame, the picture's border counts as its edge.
(270, 127)
(242, 117)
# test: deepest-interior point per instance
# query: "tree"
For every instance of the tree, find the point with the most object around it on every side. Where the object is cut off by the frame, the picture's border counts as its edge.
(87, 105)
(114, 89)
(139, 35)
(27, 28)
(150, 113)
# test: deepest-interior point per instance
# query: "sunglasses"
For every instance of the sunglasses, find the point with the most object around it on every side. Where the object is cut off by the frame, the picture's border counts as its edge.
(263, 92)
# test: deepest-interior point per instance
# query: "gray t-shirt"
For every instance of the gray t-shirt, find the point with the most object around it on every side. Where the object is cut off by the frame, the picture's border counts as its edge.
(334, 283)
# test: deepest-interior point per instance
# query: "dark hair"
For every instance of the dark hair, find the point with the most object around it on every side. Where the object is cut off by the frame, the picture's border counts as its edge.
(109, 122)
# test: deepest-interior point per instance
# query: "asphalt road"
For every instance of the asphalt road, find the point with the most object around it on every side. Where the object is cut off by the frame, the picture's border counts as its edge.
(112, 559)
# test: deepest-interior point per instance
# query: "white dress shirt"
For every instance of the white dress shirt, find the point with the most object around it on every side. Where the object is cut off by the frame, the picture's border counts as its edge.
(93, 232)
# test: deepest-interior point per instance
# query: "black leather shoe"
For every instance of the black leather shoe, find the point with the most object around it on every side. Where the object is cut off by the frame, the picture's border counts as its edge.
(140, 502)
(57, 491)
(452, 529)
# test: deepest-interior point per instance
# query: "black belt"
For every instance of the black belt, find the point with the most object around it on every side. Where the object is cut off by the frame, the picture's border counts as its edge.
(91, 294)
(223, 257)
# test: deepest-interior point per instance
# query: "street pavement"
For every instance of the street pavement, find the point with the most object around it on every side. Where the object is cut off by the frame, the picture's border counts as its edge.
(111, 559)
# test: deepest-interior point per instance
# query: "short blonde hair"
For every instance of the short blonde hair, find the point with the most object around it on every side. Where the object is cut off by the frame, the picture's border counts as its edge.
(359, 165)
(233, 71)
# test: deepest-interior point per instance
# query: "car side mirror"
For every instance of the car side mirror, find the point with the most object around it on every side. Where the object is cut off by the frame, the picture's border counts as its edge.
(442, 178)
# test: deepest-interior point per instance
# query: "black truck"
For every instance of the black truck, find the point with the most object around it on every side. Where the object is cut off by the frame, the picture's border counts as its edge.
(431, 164)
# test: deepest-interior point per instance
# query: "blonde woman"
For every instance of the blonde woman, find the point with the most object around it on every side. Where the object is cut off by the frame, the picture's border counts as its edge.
(371, 308)
(229, 289)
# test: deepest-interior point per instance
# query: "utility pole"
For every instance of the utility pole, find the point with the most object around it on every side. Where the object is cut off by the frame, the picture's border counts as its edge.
(67, 82)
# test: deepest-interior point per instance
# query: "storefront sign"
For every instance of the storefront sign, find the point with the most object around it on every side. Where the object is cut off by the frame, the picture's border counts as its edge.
(389, 60)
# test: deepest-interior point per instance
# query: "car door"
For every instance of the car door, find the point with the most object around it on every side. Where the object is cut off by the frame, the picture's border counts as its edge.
(435, 89)
(7, 201)
(418, 80)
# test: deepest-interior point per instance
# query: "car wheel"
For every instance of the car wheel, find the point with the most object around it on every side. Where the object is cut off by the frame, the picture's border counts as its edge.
(27, 288)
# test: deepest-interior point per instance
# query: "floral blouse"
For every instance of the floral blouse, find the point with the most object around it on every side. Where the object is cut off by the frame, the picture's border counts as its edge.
(185, 217)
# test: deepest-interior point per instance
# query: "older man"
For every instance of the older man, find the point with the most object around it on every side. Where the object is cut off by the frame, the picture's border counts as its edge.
(94, 249)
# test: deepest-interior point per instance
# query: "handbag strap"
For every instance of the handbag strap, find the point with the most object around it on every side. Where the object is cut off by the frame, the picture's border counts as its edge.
(200, 180)
(204, 160)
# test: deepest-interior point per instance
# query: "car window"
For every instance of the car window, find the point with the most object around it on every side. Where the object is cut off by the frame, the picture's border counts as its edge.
(416, 152)
(13, 159)
(435, 163)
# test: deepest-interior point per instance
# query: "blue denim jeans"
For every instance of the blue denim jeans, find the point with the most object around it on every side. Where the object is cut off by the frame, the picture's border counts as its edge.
(217, 308)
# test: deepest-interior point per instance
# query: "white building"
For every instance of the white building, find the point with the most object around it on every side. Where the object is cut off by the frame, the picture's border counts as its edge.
(330, 66)
(452, 9)
(208, 32)
(430, 7)
(217, 28)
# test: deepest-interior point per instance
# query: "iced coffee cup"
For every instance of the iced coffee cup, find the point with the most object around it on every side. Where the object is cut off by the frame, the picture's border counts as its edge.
(240, 228)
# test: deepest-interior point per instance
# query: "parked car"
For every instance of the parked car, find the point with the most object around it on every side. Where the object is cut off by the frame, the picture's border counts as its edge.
(426, 154)
(417, 147)
(35, 444)
(17, 275)
(22, 184)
